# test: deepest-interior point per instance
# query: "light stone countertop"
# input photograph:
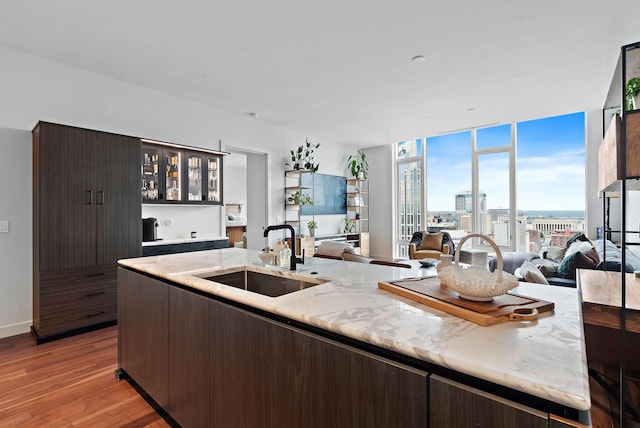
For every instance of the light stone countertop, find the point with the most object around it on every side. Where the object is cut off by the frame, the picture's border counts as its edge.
(545, 358)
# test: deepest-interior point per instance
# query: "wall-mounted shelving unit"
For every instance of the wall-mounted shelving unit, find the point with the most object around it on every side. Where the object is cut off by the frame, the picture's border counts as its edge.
(292, 211)
(358, 203)
(619, 176)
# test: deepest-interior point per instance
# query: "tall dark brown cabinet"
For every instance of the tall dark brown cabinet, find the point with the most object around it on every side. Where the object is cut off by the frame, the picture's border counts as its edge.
(86, 216)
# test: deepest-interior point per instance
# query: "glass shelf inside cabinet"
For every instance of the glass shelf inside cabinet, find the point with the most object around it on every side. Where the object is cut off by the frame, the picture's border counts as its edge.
(194, 173)
(213, 179)
(173, 175)
(150, 166)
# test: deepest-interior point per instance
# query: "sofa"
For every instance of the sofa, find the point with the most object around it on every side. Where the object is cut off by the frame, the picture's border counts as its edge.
(557, 265)
(344, 251)
(425, 245)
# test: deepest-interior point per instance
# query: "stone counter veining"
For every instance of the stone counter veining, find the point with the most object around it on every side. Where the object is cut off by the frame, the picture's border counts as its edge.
(545, 358)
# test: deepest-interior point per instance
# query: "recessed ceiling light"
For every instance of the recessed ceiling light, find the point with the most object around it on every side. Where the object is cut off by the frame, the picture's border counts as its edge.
(418, 58)
(254, 115)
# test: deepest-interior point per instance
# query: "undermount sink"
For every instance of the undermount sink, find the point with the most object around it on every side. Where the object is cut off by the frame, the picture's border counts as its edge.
(267, 284)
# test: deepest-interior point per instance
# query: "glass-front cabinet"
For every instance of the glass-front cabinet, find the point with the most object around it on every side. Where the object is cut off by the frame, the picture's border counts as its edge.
(150, 173)
(176, 175)
(214, 182)
(195, 174)
(173, 175)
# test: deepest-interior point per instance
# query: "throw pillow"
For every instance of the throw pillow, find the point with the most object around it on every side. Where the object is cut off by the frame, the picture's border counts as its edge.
(577, 247)
(579, 260)
(531, 273)
(578, 237)
(431, 241)
(556, 253)
(332, 248)
(547, 267)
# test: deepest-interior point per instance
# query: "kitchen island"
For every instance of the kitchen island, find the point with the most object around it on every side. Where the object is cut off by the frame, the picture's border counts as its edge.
(339, 353)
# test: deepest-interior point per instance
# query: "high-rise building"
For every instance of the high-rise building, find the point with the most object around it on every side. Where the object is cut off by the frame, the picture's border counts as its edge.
(410, 198)
(550, 225)
(464, 205)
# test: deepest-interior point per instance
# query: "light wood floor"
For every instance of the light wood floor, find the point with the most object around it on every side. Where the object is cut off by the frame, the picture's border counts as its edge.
(68, 383)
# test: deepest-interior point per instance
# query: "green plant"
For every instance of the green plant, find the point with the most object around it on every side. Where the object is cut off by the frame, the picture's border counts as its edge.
(349, 224)
(358, 165)
(312, 225)
(632, 90)
(303, 157)
(300, 199)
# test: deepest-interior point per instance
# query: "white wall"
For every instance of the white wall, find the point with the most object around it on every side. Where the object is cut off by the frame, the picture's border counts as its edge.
(235, 180)
(593, 204)
(15, 246)
(36, 89)
(382, 193)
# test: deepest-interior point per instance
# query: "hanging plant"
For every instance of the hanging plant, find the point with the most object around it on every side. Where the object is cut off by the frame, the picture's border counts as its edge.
(303, 157)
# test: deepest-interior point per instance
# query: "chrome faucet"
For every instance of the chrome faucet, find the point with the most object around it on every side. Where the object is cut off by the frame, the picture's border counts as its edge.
(294, 259)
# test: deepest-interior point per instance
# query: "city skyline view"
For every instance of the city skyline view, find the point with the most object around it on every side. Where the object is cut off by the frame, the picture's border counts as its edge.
(550, 166)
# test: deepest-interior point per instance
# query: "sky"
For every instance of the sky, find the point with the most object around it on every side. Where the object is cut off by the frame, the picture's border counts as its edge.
(550, 171)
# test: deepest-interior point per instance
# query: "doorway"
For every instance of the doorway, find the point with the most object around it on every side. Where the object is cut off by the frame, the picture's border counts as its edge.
(253, 168)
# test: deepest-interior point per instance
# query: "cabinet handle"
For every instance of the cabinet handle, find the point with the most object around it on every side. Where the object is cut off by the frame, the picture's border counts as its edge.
(90, 192)
(94, 274)
(95, 314)
(95, 294)
(101, 193)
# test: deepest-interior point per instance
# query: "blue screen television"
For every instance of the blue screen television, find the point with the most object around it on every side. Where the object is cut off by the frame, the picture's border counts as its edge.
(329, 193)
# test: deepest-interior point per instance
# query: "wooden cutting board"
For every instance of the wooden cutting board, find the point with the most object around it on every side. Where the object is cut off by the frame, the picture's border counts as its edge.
(502, 308)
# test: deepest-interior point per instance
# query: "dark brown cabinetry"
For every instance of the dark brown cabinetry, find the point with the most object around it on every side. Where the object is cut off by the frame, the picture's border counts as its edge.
(230, 367)
(143, 333)
(189, 358)
(297, 379)
(85, 218)
(178, 175)
(208, 362)
(322, 383)
(241, 367)
(455, 405)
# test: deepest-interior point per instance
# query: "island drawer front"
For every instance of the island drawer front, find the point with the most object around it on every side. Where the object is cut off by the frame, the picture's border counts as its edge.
(452, 404)
(76, 298)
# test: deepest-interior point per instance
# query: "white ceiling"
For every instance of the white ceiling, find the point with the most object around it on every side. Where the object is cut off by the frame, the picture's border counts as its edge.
(342, 70)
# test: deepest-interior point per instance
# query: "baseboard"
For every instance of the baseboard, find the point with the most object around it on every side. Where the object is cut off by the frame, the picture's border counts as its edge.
(15, 329)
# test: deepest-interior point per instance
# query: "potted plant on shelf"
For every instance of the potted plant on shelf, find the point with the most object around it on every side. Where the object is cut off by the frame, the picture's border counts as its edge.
(349, 224)
(358, 165)
(631, 92)
(303, 157)
(312, 226)
(300, 199)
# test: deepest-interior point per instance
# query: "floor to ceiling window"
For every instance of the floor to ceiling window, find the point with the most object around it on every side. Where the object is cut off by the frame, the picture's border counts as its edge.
(494, 180)
(448, 189)
(410, 203)
(521, 184)
(551, 179)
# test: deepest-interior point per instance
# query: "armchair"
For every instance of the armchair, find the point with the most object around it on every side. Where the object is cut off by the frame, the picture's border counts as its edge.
(430, 245)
